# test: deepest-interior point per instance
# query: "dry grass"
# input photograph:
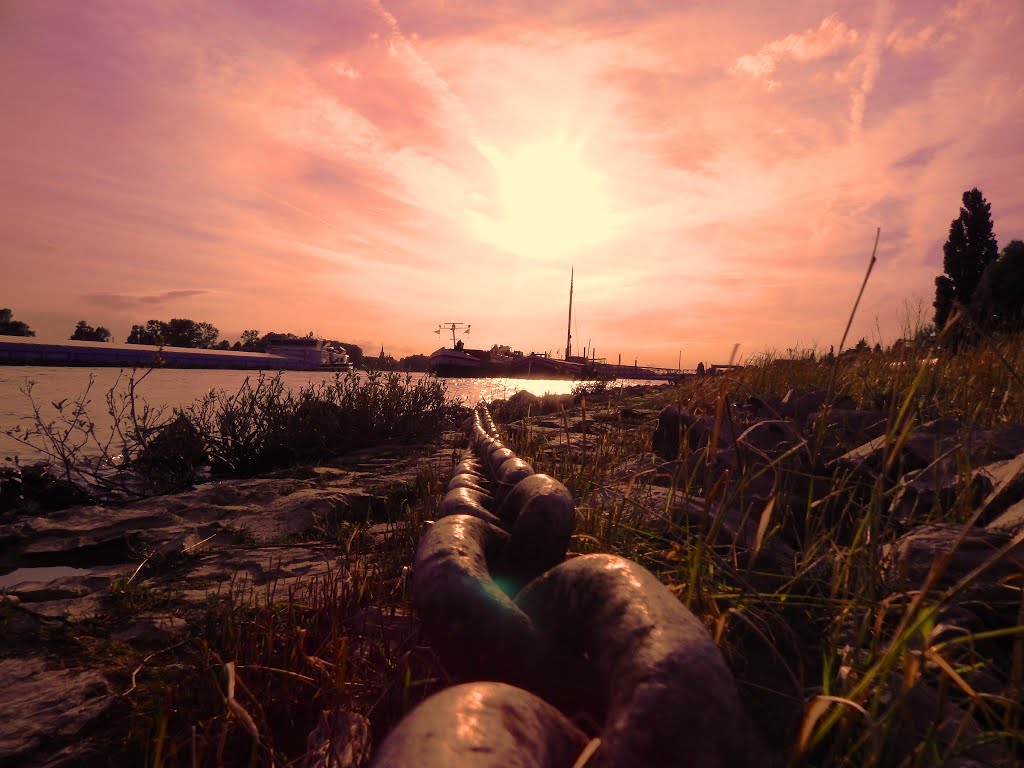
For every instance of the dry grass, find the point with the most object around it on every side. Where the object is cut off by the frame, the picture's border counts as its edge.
(837, 666)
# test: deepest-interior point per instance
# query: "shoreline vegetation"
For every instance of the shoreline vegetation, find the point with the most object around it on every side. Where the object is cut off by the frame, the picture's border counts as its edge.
(834, 522)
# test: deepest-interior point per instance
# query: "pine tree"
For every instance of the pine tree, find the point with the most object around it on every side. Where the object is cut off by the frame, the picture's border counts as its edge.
(999, 300)
(970, 248)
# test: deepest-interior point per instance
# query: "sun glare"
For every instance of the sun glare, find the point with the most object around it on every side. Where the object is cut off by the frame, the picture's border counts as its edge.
(551, 201)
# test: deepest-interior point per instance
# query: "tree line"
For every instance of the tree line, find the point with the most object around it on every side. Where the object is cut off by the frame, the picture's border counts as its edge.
(979, 284)
(177, 332)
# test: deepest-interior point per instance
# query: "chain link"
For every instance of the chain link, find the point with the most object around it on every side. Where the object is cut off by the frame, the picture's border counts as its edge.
(597, 636)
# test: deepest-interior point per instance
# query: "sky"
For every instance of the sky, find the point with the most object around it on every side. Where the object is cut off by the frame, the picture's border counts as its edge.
(712, 173)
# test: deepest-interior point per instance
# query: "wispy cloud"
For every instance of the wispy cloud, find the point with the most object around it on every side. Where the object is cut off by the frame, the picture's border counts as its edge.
(831, 36)
(118, 301)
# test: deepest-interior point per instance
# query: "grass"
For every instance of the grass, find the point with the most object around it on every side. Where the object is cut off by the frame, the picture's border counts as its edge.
(839, 666)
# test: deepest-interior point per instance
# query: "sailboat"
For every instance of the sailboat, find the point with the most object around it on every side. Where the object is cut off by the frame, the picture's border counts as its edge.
(570, 367)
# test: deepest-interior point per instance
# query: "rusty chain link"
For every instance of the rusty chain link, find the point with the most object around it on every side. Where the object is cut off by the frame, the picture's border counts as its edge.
(588, 660)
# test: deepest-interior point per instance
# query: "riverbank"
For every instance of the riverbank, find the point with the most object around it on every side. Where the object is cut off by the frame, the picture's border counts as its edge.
(164, 389)
(802, 523)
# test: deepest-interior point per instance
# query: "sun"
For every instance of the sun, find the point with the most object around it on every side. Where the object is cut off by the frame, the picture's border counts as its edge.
(551, 202)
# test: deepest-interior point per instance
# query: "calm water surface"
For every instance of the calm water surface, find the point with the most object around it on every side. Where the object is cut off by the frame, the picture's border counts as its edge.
(180, 387)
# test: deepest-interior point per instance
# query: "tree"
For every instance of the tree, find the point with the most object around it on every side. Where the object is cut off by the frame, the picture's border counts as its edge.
(85, 332)
(182, 332)
(9, 327)
(999, 301)
(153, 332)
(971, 247)
(418, 363)
(250, 341)
(177, 333)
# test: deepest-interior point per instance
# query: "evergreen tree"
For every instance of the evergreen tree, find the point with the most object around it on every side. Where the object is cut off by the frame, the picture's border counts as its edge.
(970, 248)
(999, 300)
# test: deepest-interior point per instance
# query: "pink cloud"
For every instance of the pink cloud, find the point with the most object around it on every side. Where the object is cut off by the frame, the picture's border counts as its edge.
(297, 167)
(830, 37)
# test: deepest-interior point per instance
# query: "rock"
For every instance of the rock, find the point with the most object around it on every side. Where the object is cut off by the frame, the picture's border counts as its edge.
(921, 492)
(1011, 521)
(764, 407)
(942, 443)
(925, 713)
(151, 630)
(686, 473)
(633, 415)
(1007, 487)
(243, 568)
(674, 423)
(771, 437)
(840, 428)
(912, 555)
(46, 708)
(518, 406)
(800, 405)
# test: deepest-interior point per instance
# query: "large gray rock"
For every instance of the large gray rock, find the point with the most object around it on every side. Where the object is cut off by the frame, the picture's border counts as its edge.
(1007, 487)
(943, 443)
(911, 557)
(800, 405)
(676, 425)
(771, 436)
(920, 493)
(45, 708)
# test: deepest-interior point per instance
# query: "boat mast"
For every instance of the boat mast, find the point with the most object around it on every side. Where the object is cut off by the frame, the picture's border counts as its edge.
(568, 330)
(451, 327)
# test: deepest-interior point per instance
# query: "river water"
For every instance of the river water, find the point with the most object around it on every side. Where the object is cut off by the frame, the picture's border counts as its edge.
(177, 387)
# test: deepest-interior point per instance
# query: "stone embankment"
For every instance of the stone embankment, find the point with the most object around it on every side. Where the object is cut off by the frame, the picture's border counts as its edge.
(243, 536)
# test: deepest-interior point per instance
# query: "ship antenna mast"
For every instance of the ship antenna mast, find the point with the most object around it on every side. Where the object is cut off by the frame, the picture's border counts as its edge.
(452, 327)
(568, 329)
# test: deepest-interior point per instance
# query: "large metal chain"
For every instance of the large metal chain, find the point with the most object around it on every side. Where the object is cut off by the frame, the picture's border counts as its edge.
(590, 660)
